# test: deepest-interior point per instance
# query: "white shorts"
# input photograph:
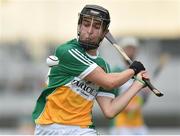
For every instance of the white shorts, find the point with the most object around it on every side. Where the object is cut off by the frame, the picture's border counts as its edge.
(142, 130)
(57, 129)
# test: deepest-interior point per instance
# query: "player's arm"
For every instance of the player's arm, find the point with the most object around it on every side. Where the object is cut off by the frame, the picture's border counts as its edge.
(113, 80)
(112, 107)
(109, 81)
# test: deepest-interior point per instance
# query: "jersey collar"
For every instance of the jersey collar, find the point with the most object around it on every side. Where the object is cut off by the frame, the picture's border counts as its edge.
(93, 57)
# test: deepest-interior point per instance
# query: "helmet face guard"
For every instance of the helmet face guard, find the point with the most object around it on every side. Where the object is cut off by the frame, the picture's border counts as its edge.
(95, 13)
(89, 42)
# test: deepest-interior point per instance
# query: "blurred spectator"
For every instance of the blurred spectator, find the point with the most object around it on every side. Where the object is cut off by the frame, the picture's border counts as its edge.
(130, 121)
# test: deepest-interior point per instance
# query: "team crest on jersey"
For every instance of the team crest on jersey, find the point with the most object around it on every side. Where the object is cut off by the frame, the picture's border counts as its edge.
(86, 89)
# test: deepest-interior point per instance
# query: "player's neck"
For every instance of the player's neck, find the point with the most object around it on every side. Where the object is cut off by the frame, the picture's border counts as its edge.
(92, 52)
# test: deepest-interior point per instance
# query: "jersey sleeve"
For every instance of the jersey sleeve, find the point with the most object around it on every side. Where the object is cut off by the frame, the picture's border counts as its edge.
(74, 62)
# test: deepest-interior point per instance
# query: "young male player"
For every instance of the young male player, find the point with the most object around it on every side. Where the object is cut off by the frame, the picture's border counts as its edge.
(81, 76)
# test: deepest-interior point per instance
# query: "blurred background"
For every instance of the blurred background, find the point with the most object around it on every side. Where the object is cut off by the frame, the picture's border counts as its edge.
(31, 29)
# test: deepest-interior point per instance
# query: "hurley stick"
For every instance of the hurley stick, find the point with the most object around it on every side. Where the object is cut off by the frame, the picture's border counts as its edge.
(111, 39)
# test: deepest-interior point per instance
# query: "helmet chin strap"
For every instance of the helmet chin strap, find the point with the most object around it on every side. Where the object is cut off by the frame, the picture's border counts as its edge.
(87, 46)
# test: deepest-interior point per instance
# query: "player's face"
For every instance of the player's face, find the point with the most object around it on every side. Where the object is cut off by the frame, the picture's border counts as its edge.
(91, 30)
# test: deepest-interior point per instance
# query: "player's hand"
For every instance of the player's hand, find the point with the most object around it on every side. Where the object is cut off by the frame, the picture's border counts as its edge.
(140, 76)
(137, 67)
(143, 75)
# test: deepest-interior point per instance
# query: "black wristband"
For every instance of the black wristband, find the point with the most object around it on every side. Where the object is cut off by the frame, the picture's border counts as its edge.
(137, 67)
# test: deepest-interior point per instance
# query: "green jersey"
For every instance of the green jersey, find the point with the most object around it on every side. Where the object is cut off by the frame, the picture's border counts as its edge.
(68, 97)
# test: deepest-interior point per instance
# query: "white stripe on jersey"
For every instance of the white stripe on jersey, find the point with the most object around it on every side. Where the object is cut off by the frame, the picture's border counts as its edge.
(87, 71)
(78, 58)
(84, 58)
(47, 80)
